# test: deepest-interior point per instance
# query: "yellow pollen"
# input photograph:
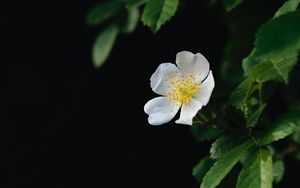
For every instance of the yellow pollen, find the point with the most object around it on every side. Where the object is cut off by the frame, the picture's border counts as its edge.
(182, 89)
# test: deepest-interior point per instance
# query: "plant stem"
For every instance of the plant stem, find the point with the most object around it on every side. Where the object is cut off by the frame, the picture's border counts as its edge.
(249, 132)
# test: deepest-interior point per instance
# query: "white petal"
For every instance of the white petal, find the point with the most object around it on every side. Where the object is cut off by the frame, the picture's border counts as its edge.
(165, 71)
(188, 112)
(196, 64)
(160, 110)
(206, 89)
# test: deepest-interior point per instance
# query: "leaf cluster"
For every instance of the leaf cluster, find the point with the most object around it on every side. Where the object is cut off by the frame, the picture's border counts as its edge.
(242, 131)
(252, 144)
(122, 16)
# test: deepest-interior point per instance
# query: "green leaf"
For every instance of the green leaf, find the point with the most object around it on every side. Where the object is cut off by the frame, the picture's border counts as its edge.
(286, 30)
(253, 119)
(296, 137)
(288, 6)
(248, 155)
(240, 95)
(205, 133)
(223, 166)
(103, 45)
(257, 172)
(286, 125)
(103, 11)
(248, 63)
(131, 20)
(273, 70)
(158, 12)
(134, 3)
(231, 4)
(201, 168)
(223, 145)
(278, 171)
(277, 70)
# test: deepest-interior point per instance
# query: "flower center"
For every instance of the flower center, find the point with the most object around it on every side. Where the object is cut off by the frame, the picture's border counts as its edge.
(182, 88)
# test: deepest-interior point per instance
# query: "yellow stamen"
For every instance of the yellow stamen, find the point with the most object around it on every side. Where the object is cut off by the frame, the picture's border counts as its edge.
(182, 89)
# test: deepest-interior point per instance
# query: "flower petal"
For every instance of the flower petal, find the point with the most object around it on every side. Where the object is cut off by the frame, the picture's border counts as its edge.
(188, 112)
(165, 71)
(160, 110)
(195, 64)
(206, 88)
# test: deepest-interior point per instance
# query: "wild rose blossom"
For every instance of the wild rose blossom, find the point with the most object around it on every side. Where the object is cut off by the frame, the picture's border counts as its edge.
(187, 86)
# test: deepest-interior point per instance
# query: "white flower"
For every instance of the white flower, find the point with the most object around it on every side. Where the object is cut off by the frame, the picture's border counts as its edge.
(188, 85)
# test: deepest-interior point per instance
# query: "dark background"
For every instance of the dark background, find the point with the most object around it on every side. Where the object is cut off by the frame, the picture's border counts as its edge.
(65, 124)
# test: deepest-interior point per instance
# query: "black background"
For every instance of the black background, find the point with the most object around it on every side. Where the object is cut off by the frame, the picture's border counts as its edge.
(66, 124)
